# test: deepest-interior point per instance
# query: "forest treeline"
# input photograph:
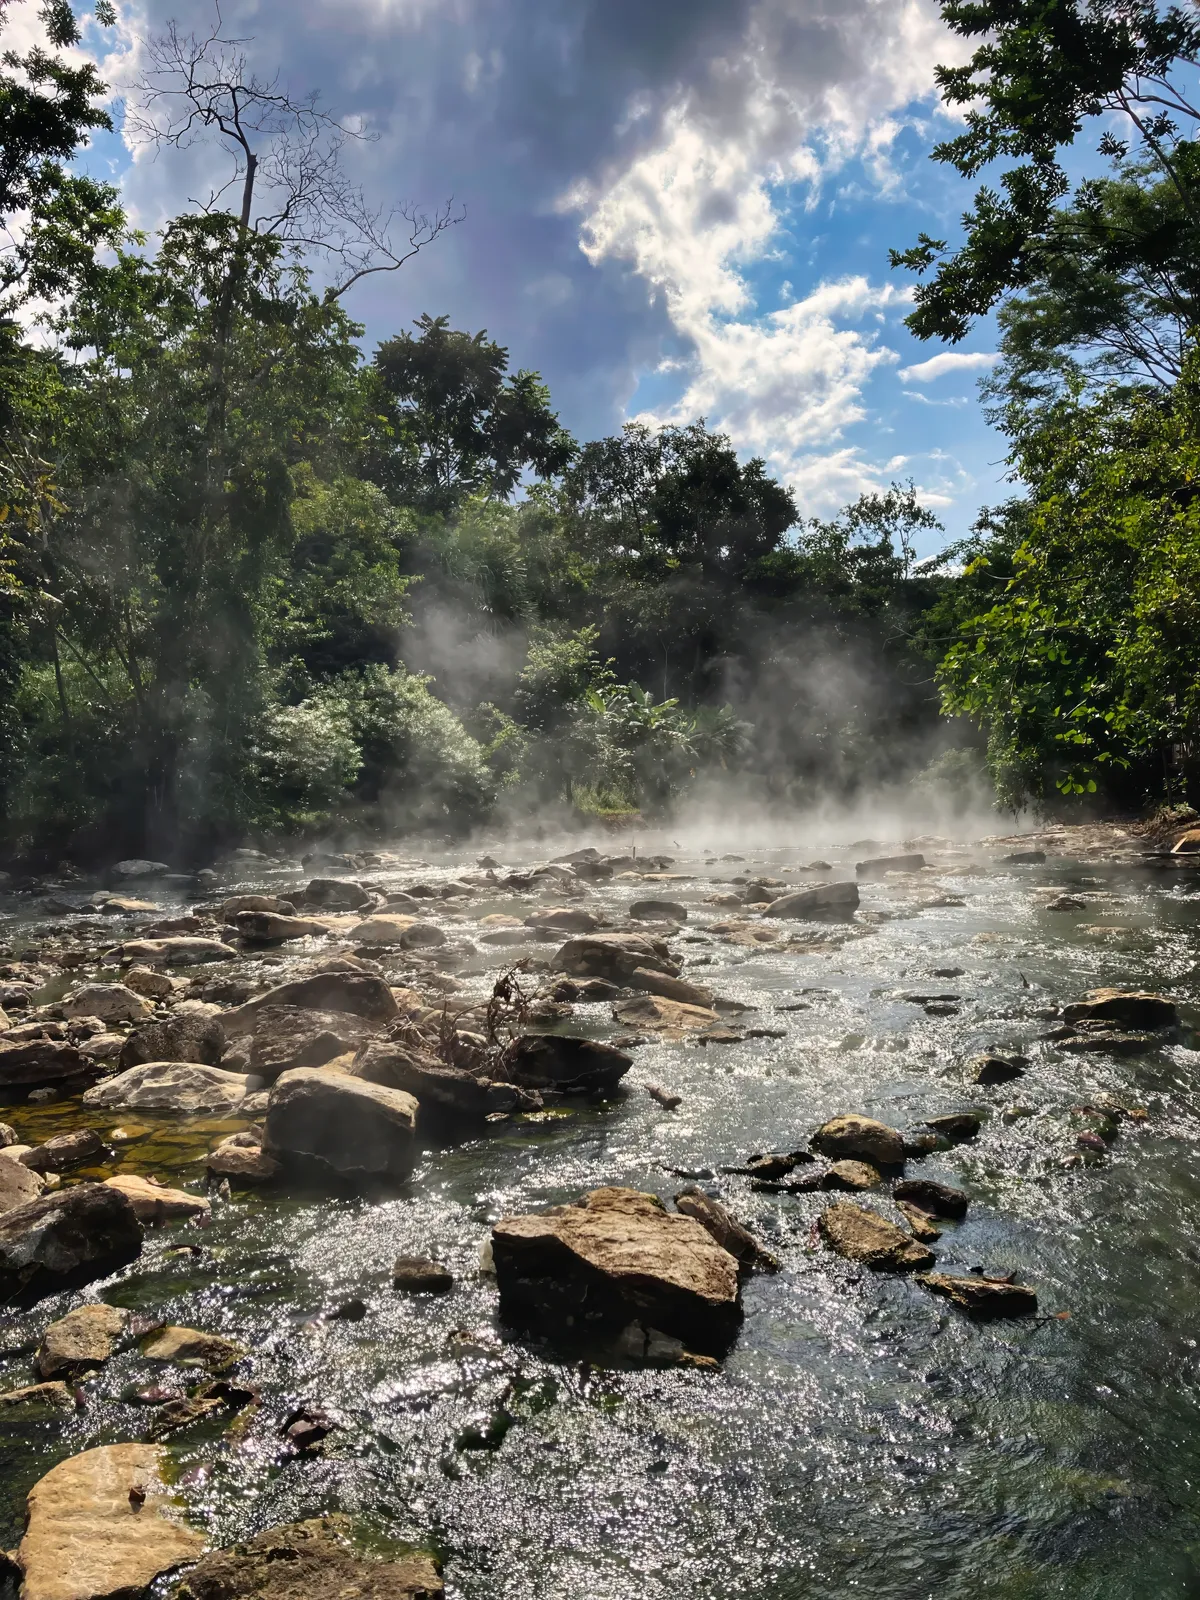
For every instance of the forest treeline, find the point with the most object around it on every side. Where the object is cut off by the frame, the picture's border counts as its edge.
(235, 545)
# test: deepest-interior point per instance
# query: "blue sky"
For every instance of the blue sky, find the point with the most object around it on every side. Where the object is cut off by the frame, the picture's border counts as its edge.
(671, 209)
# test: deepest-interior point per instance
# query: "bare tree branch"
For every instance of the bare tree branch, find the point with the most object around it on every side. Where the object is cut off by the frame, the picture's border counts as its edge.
(286, 154)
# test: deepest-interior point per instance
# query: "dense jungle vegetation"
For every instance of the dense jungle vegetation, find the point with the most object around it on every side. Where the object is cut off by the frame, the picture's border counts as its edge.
(255, 579)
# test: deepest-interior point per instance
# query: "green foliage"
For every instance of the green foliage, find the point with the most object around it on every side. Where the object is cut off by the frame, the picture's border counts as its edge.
(1042, 71)
(457, 423)
(1084, 669)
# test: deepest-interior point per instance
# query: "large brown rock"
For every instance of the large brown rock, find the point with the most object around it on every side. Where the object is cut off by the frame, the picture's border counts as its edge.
(827, 899)
(19, 1184)
(865, 1236)
(64, 1239)
(155, 1202)
(102, 1526)
(231, 908)
(191, 1347)
(1124, 1008)
(614, 1257)
(336, 894)
(983, 1298)
(357, 1129)
(860, 1139)
(446, 1091)
(361, 994)
(564, 919)
(729, 1233)
(274, 927)
(188, 1088)
(553, 1062)
(111, 1002)
(615, 956)
(64, 1151)
(178, 950)
(670, 1018)
(41, 1063)
(187, 1036)
(286, 1037)
(309, 1561)
(81, 1341)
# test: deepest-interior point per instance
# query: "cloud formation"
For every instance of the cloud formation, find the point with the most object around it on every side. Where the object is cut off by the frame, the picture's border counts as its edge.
(956, 361)
(636, 180)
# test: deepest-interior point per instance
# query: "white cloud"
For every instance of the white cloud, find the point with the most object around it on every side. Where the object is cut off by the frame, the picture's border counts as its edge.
(949, 361)
(812, 86)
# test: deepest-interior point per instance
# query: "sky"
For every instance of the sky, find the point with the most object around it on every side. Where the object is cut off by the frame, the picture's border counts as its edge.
(672, 208)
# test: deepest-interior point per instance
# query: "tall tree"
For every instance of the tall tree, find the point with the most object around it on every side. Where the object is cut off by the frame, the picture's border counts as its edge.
(461, 423)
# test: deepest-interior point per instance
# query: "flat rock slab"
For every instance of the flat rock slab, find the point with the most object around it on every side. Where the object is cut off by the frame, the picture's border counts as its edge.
(825, 899)
(248, 1164)
(1124, 1008)
(179, 950)
(865, 1236)
(37, 1063)
(672, 1018)
(65, 1239)
(357, 1129)
(305, 1561)
(615, 1257)
(64, 1151)
(564, 919)
(190, 1088)
(658, 911)
(285, 1037)
(362, 994)
(111, 1002)
(89, 1538)
(55, 1395)
(857, 1138)
(661, 983)
(983, 1298)
(155, 1202)
(190, 1347)
(81, 1341)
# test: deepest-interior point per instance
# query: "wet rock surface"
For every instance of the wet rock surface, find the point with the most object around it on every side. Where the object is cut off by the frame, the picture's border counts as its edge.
(59, 1241)
(305, 1560)
(103, 1525)
(187, 1088)
(354, 1128)
(614, 1257)
(863, 1235)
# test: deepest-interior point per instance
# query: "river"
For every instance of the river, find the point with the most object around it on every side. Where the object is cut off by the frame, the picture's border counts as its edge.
(862, 1437)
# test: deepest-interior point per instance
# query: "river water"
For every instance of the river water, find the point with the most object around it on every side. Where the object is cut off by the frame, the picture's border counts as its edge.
(862, 1436)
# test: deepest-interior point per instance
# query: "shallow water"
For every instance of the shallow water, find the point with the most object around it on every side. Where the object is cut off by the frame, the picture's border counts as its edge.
(862, 1437)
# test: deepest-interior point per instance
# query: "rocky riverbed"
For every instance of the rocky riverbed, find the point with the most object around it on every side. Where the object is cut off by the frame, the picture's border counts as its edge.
(604, 1221)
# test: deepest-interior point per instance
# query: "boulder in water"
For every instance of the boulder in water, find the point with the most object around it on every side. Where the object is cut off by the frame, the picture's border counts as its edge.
(827, 899)
(186, 1036)
(154, 1202)
(864, 1236)
(61, 1240)
(671, 1018)
(81, 1341)
(357, 1129)
(983, 1298)
(614, 956)
(306, 1560)
(361, 994)
(617, 1256)
(1123, 1008)
(860, 1139)
(188, 1088)
(40, 1063)
(553, 1062)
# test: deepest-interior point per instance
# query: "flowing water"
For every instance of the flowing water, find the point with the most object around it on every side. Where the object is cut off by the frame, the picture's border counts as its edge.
(862, 1436)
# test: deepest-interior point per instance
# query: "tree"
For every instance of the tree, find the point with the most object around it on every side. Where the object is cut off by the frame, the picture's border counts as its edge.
(1047, 69)
(285, 157)
(1078, 650)
(459, 424)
